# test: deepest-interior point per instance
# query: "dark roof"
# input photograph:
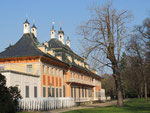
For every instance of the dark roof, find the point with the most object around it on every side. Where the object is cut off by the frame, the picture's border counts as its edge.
(34, 26)
(55, 43)
(26, 46)
(26, 21)
(60, 31)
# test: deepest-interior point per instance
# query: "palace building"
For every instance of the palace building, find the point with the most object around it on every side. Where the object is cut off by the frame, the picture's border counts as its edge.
(49, 69)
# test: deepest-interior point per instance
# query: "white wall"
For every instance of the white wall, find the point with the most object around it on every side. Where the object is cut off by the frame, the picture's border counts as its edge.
(23, 80)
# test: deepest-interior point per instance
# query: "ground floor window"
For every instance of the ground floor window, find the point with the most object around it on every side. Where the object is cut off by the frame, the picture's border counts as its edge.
(90, 92)
(27, 91)
(85, 93)
(49, 92)
(60, 92)
(71, 91)
(56, 92)
(53, 92)
(64, 91)
(44, 92)
(82, 92)
(74, 92)
(79, 93)
(35, 91)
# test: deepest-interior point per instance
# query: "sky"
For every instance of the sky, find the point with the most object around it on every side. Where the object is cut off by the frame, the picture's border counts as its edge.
(70, 12)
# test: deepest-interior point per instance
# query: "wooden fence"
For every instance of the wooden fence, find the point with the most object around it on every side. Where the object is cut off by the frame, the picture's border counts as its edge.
(45, 104)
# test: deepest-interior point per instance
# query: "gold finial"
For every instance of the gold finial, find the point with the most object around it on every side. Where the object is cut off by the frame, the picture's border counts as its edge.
(53, 22)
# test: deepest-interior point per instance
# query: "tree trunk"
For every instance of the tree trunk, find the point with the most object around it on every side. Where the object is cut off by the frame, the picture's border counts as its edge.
(141, 92)
(118, 86)
(145, 90)
(138, 95)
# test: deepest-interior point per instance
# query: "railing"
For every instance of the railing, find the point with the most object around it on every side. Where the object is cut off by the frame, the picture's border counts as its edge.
(80, 81)
(45, 104)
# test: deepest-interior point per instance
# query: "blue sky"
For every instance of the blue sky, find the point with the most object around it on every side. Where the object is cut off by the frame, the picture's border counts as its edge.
(70, 12)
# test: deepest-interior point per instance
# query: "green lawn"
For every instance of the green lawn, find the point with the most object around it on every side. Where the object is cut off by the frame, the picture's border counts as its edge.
(27, 112)
(132, 106)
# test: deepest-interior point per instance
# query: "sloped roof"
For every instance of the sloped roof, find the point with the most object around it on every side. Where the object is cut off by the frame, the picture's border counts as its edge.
(26, 46)
(55, 43)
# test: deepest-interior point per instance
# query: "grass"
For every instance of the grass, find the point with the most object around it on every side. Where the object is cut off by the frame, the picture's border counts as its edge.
(132, 106)
(26, 112)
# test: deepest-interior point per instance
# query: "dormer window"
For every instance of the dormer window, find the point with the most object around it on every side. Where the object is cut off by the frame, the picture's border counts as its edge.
(29, 68)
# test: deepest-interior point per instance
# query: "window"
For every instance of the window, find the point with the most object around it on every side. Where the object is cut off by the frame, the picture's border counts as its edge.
(63, 73)
(44, 92)
(27, 91)
(29, 68)
(53, 92)
(85, 93)
(43, 69)
(48, 70)
(60, 73)
(56, 72)
(79, 92)
(74, 92)
(64, 91)
(2, 68)
(49, 92)
(71, 91)
(60, 92)
(90, 92)
(82, 92)
(35, 91)
(56, 92)
(52, 71)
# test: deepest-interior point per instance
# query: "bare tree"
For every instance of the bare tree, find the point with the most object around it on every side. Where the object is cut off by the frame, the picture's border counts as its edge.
(142, 49)
(103, 38)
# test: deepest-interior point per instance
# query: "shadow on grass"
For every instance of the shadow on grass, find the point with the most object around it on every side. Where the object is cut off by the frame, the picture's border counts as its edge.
(138, 105)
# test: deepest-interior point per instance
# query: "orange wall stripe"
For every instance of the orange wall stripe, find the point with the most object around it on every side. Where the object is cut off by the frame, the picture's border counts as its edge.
(44, 80)
(57, 82)
(52, 81)
(60, 82)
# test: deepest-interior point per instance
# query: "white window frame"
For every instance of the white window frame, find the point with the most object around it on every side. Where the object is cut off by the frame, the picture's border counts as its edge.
(48, 70)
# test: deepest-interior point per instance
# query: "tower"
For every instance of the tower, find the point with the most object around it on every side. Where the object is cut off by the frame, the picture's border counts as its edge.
(34, 30)
(61, 35)
(68, 41)
(26, 27)
(53, 31)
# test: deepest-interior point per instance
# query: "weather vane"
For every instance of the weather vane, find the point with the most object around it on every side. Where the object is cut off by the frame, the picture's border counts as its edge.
(61, 24)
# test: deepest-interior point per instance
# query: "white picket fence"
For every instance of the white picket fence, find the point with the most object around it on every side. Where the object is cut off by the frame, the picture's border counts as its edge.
(45, 104)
